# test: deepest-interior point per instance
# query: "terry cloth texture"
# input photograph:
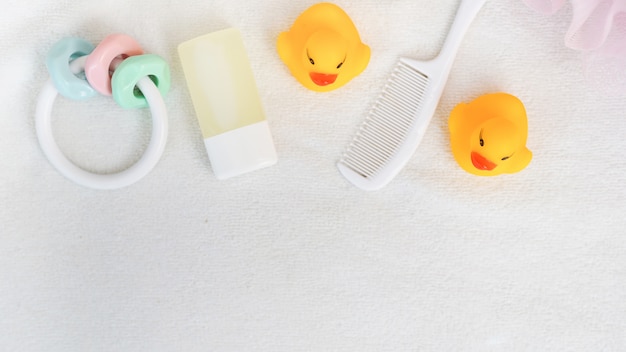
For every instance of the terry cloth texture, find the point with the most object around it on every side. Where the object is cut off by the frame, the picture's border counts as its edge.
(293, 257)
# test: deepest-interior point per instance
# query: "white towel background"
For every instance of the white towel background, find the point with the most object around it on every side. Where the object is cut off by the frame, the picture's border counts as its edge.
(293, 257)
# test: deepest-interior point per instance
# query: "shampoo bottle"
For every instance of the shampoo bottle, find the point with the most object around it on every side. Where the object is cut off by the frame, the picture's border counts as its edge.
(227, 104)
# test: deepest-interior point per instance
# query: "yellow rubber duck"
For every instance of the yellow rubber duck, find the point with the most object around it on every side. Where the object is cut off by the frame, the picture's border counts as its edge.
(488, 135)
(323, 49)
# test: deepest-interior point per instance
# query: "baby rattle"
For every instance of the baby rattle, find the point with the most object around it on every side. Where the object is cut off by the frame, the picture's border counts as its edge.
(138, 80)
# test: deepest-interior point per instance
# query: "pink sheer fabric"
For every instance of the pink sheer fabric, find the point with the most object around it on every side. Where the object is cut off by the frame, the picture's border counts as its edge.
(598, 29)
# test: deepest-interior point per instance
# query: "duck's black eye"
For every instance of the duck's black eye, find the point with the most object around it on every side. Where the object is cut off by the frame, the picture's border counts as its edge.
(505, 158)
(340, 64)
(310, 58)
(482, 142)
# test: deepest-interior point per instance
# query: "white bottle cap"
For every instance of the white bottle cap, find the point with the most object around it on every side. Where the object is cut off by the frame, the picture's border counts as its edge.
(241, 150)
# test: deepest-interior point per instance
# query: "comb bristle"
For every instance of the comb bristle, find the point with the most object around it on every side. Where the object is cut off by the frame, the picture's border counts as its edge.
(388, 122)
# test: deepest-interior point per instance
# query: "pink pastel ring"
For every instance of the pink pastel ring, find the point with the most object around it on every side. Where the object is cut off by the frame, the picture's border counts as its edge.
(98, 65)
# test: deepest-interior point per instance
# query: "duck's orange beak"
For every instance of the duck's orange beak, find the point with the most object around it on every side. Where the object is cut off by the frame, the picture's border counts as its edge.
(322, 79)
(482, 163)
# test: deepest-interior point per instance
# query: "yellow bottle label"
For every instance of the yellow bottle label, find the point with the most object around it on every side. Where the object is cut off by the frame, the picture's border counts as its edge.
(220, 82)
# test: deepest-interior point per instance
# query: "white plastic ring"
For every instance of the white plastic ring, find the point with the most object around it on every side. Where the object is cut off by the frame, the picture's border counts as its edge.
(121, 179)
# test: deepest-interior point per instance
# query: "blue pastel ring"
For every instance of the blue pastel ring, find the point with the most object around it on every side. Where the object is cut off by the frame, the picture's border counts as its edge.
(57, 61)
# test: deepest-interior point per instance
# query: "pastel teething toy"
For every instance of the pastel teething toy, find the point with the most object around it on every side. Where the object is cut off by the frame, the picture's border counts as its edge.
(139, 82)
(488, 135)
(323, 49)
(97, 66)
(64, 80)
(128, 74)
